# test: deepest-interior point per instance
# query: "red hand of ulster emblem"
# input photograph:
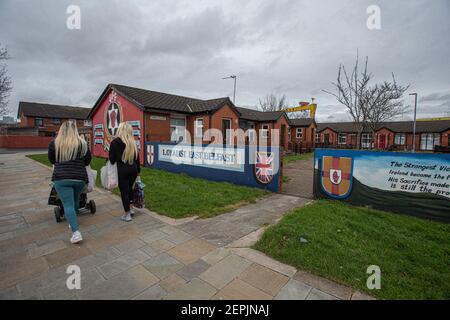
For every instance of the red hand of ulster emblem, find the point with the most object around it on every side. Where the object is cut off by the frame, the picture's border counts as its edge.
(335, 177)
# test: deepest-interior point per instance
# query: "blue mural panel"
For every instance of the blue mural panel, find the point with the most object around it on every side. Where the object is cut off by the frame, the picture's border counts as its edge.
(411, 183)
(249, 166)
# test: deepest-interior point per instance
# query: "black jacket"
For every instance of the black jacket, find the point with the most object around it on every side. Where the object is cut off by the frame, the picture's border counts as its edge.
(72, 169)
(116, 149)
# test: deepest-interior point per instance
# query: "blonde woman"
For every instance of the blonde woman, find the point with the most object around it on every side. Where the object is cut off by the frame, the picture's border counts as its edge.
(124, 152)
(70, 155)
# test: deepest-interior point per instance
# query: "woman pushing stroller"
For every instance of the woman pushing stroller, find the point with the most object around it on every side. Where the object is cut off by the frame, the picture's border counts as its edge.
(124, 152)
(70, 155)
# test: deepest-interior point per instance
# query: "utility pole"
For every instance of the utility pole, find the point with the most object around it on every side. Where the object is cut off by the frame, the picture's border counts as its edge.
(234, 91)
(415, 113)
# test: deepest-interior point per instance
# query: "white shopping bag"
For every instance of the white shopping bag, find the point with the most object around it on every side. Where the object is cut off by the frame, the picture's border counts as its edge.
(92, 175)
(108, 175)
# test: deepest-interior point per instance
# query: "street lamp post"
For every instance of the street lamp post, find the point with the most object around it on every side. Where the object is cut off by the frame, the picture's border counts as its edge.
(234, 91)
(415, 113)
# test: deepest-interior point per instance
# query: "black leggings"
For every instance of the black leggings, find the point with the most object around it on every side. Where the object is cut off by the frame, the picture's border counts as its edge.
(127, 177)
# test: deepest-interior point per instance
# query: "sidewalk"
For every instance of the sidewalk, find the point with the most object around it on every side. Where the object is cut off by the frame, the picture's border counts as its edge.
(153, 257)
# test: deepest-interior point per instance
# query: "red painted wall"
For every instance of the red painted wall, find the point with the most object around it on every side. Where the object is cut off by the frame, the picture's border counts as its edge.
(24, 142)
(128, 111)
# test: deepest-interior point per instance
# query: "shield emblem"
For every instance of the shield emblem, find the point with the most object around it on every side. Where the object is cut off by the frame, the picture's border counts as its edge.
(264, 167)
(336, 176)
(150, 155)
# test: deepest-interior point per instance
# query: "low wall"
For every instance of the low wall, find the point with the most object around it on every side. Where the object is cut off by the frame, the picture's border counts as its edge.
(24, 142)
(247, 166)
(416, 184)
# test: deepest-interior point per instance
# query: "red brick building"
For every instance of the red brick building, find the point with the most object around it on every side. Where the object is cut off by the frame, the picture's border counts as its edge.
(163, 117)
(39, 123)
(47, 118)
(390, 135)
(302, 132)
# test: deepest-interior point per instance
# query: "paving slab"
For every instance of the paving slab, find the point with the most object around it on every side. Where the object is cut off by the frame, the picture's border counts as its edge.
(264, 279)
(225, 271)
(294, 290)
(125, 285)
(194, 290)
(163, 265)
(155, 292)
(324, 285)
(191, 250)
(240, 290)
(316, 294)
(193, 270)
(172, 282)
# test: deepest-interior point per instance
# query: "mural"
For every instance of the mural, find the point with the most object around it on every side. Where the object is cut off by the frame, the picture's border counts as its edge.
(107, 118)
(244, 166)
(416, 184)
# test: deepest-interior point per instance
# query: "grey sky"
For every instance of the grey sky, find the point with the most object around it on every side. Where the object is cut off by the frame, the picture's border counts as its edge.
(287, 47)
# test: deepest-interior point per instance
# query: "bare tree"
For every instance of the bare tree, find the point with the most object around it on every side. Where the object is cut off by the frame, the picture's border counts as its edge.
(382, 102)
(351, 91)
(5, 83)
(272, 102)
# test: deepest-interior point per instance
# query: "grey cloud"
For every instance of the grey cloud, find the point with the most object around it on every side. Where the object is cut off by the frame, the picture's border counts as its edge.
(288, 47)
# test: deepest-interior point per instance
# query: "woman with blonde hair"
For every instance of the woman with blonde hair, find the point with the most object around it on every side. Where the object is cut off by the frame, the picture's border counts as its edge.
(70, 155)
(124, 152)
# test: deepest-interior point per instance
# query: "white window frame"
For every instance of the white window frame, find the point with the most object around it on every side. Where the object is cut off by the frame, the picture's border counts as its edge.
(317, 138)
(430, 140)
(178, 128)
(366, 140)
(265, 130)
(344, 136)
(197, 127)
(87, 123)
(299, 133)
(399, 139)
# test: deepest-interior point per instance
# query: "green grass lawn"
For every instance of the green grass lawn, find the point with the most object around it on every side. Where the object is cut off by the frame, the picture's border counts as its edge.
(343, 240)
(297, 157)
(179, 195)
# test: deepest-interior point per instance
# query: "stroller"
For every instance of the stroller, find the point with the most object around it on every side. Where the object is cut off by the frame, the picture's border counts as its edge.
(54, 200)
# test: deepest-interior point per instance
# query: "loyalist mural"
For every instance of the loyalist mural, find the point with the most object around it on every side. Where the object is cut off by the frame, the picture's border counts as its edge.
(410, 183)
(246, 165)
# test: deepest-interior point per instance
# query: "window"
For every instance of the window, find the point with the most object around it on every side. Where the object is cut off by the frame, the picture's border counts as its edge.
(226, 127)
(399, 139)
(289, 134)
(265, 131)
(56, 121)
(177, 129)
(429, 140)
(39, 122)
(199, 128)
(366, 140)
(87, 123)
(342, 138)
(299, 133)
(317, 138)
(326, 138)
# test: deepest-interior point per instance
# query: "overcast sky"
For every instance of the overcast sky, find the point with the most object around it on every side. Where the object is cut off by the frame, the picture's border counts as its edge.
(289, 47)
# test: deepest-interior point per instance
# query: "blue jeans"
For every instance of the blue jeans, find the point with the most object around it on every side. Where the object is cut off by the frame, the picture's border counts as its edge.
(69, 193)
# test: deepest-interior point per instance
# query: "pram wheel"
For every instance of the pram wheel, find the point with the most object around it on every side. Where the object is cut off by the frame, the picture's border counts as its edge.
(58, 214)
(92, 206)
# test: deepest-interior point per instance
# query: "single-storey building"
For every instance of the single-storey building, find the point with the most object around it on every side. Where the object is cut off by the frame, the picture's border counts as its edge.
(162, 117)
(394, 135)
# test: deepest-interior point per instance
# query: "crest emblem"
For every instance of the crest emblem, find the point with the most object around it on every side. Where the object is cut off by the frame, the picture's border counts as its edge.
(264, 167)
(150, 154)
(336, 176)
(113, 116)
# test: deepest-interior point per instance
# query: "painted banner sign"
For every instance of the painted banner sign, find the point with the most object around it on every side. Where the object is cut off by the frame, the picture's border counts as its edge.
(416, 184)
(244, 165)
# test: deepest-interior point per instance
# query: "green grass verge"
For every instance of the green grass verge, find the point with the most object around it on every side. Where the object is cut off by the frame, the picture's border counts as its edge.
(297, 157)
(343, 240)
(179, 195)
